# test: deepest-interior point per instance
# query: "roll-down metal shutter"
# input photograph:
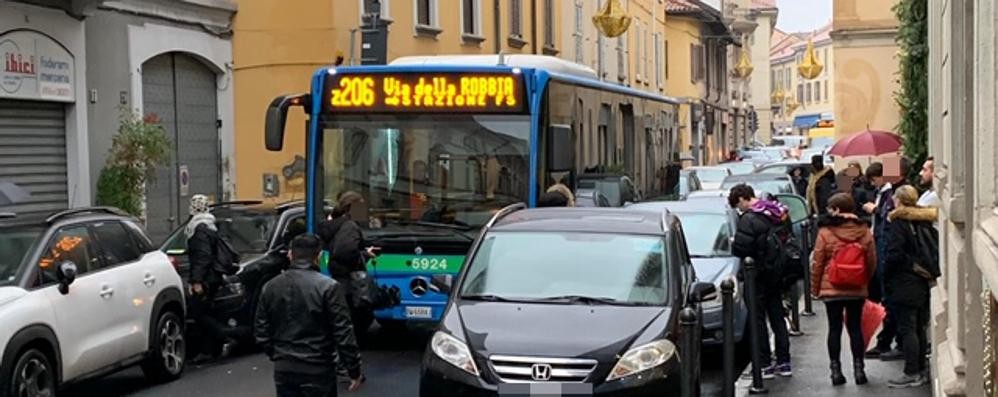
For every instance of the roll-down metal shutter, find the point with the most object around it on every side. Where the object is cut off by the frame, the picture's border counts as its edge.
(33, 154)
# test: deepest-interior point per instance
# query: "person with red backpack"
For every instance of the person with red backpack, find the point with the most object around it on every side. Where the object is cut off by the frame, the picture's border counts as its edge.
(845, 259)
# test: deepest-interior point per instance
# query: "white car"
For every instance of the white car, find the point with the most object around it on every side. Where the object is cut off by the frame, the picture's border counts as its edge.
(84, 293)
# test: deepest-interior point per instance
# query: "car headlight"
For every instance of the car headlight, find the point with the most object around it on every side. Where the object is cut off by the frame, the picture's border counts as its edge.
(643, 358)
(718, 300)
(453, 351)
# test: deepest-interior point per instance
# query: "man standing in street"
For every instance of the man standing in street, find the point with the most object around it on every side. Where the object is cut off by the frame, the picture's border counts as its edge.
(820, 186)
(758, 219)
(303, 323)
(205, 279)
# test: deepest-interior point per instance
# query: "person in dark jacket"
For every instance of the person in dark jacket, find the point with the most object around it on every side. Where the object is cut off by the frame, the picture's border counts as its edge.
(204, 279)
(344, 240)
(908, 290)
(840, 227)
(757, 218)
(820, 186)
(303, 325)
(799, 180)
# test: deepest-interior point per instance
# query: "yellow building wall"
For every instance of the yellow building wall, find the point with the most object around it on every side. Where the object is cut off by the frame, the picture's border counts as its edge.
(826, 103)
(680, 34)
(277, 48)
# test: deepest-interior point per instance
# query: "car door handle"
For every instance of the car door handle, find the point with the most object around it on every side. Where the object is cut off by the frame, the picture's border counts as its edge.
(106, 292)
(149, 280)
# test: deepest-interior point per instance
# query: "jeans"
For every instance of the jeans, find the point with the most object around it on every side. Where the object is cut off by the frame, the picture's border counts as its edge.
(853, 310)
(212, 331)
(303, 385)
(913, 322)
(769, 305)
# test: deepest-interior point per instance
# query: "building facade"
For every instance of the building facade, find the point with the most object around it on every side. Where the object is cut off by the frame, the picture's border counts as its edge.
(865, 68)
(764, 13)
(962, 114)
(804, 101)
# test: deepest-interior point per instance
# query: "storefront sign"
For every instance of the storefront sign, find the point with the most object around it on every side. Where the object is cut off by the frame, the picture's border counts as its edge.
(33, 66)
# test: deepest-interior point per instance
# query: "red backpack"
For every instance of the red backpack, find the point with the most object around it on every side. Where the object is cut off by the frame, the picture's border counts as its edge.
(847, 269)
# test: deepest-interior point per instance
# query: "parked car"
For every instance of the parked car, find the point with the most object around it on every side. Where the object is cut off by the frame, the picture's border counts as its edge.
(84, 293)
(523, 310)
(710, 226)
(762, 183)
(712, 176)
(740, 167)
(708, 194)
(785, 167)
(253, 229)
(615, 188)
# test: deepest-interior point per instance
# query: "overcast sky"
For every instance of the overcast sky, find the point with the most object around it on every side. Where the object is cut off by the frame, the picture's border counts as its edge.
(803, 15)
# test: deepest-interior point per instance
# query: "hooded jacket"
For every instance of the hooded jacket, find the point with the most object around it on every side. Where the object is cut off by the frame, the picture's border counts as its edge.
(752, 229)
(345, 242)
(903, 284)
(820, 186)
(834, 232)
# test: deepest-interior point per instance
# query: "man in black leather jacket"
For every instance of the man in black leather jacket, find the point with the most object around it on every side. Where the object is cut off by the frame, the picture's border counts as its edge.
(302, 323)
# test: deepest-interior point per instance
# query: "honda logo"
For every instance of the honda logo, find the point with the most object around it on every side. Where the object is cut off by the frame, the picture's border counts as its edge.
(541, 372)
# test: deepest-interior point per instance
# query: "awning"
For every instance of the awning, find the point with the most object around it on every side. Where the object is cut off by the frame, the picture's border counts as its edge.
(826, 132)
(806, 120)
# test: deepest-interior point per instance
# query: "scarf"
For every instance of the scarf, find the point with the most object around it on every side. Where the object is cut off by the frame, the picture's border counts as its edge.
(205, 218)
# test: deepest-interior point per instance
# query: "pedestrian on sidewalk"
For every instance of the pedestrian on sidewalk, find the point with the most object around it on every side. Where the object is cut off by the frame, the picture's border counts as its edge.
(909, 289)
(820, 185)
(929, 198)
(303, 325)
(205, 278)
(752, 239)
(845, 258)
(879, 210)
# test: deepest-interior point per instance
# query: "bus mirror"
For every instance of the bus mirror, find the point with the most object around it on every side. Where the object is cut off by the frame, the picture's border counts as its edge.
(559, 148)
(277, 116)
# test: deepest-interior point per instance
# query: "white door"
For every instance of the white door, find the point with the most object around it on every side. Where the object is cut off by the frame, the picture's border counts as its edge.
(90, 316)
(122, 258)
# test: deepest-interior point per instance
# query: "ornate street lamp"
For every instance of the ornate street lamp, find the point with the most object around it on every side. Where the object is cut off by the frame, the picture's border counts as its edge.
(809, 67)
(778, 96)
(744, 68)
(611, 21)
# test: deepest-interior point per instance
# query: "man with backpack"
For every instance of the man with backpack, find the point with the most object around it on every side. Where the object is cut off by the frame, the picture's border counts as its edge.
(845, 258)
(211, 259)
(764, 234)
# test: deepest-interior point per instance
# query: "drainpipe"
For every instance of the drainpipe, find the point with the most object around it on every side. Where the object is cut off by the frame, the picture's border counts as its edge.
(533, 25)
(498, 28)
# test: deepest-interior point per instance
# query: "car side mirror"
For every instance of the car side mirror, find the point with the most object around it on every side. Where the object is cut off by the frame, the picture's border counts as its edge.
(441, 283)
(66, 274)
(704, 291)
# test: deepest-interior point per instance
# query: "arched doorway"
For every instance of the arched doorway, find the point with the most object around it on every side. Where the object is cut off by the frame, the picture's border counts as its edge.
(182, 92)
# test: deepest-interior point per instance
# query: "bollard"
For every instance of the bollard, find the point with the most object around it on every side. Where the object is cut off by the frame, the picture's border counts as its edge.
(690, 341)
(795, 310)
(753, 307)
(728, 326)
(808, 249)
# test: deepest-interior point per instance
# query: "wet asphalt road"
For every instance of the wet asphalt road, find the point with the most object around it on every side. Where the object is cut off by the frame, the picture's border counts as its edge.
(391, 365)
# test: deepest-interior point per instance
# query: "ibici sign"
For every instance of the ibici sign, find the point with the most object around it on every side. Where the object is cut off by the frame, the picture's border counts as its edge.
(34, 66)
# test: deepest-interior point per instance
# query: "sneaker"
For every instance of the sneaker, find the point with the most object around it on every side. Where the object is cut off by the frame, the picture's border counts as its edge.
(892, 355)
(767, 373)
(873, 353)
(784, 370)
(906, 381)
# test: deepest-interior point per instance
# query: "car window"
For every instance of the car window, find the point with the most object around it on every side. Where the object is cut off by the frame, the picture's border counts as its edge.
(709, 234)
(117, 246)
(711, 175)
(15, 245)
(248, 232)
(141, 240)
(626, 268)
(73, 244)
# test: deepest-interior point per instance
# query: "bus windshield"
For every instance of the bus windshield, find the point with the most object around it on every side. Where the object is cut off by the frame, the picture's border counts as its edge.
(444, 170)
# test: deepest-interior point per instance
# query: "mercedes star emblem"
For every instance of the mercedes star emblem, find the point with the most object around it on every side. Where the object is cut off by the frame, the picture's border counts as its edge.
(418, 287)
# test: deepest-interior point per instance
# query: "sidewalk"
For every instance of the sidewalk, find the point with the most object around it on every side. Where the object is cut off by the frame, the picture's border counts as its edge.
(809, 356)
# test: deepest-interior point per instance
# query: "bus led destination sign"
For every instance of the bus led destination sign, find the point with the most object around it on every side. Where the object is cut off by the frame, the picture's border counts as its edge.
(425, 92)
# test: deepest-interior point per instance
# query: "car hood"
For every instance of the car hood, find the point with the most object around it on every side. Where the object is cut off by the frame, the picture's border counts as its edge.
(527, 329)
(714, 270)
(10, 294)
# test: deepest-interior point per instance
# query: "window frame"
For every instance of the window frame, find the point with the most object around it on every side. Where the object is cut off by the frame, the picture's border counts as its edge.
(385, 10)
(476, 36)
(105, 259)
(36, 281)
(549, 47)
(427, 30)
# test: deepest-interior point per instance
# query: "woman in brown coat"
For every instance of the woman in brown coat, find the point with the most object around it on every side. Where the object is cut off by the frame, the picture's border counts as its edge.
(840, 228)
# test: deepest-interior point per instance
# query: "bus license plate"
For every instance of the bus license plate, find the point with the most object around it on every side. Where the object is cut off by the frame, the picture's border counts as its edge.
(418, 312)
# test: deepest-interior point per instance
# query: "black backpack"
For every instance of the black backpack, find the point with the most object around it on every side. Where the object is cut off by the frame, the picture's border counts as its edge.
(226, 258)
(783, 259)
(926, 253)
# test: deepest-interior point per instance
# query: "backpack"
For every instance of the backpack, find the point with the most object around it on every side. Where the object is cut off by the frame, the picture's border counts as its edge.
(847, 269)
(226, 258)
(926, 254)
(783, 256)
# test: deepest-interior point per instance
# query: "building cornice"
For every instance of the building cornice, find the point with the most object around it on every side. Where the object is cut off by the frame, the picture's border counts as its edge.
(868, 33)
(214, 16)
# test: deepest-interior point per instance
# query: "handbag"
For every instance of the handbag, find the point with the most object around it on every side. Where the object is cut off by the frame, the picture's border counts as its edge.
(226, 258)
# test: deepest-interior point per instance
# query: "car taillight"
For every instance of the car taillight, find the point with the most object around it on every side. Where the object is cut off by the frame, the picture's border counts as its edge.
(175, 263)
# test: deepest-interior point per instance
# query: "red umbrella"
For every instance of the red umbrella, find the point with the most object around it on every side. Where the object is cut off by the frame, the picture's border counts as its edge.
(866, 143)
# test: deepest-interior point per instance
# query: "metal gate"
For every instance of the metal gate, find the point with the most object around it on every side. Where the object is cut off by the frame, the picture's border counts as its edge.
(33, 154)
(181, 91)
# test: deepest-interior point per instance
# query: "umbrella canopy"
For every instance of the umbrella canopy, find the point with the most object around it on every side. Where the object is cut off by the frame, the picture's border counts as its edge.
(12, 194)
(866, 143)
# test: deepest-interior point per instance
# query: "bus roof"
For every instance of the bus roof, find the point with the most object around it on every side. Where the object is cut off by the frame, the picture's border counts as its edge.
(549, 63)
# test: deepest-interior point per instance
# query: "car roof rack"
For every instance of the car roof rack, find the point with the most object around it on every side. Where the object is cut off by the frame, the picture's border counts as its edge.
(509, 209)
(235, 202)
(295, 203)
(8, 215)
(86, 210)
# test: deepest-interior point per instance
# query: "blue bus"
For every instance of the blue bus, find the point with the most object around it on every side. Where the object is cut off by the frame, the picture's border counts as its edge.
(437, 144)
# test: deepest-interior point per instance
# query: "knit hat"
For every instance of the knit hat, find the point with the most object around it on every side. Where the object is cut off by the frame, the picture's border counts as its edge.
(199, 204)
(906, 195)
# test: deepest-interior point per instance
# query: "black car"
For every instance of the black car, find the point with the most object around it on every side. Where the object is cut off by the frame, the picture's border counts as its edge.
(586, 300)
(254, 230)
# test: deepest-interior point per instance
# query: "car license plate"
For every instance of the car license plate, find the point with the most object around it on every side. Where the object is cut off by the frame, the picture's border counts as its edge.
(545, 389)
(418, 312)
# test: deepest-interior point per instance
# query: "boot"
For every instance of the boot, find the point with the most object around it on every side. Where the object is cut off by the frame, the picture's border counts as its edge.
(858, 372)
(837, 378)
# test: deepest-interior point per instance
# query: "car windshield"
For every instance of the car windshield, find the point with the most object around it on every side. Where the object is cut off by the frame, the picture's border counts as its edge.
(707, 235)
(740, 168)
(771, 186)
(626, 269)
(15, 244)
(711, 174)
